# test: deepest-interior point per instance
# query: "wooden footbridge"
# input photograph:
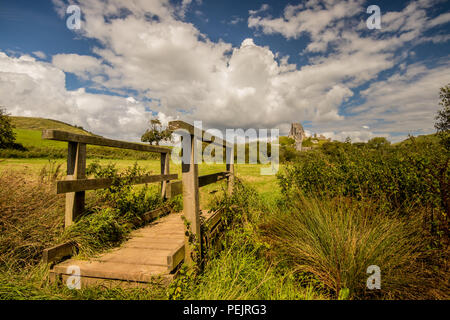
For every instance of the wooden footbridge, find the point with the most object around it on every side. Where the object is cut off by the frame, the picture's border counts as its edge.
(155, 251)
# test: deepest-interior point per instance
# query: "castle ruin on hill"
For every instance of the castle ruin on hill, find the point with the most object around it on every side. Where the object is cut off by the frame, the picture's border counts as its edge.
(298, 134)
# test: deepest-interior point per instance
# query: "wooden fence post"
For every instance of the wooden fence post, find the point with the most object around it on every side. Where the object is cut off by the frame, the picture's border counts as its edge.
(230, 169)
(76, 169)
(165, 169)
(191, 206)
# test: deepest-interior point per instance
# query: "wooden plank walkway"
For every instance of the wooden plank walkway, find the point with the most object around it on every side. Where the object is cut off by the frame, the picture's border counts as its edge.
(151, 253)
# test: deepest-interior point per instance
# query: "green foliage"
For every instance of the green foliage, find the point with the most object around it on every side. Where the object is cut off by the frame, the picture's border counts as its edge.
(7, 135)
(121, 195)
(286, 141)
(378, 143)
(400, 176)
(307, 142)
(102, 229)
(120, 210)
(241, 272)
(443, 116)
(156, 134)
(288, 154)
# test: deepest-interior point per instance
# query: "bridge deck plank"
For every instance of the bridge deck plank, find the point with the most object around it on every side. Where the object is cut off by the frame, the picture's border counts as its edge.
(144, 256)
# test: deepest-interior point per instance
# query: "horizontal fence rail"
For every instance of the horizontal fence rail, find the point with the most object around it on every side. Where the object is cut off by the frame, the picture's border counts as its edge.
(94, 184)
(181, 125)
(100, 141)
(211, 178)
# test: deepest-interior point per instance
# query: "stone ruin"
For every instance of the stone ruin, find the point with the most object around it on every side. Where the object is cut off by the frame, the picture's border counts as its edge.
(298, 134)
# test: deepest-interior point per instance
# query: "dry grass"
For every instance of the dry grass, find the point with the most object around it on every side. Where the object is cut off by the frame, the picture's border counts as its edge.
(31, 216)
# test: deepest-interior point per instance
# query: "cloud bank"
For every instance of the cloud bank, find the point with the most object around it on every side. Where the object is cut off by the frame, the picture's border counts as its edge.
(178, 72)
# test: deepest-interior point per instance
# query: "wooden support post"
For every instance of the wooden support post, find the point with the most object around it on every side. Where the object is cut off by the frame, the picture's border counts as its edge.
(165, 169)
(230, 169)
(191, 206)
(76, 169)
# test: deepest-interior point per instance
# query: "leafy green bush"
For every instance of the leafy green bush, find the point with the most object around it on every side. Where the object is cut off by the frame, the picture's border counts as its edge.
(400, 176)
(7, 136)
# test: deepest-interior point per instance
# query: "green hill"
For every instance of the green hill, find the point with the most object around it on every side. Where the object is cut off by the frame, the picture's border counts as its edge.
(29, 134)
(29, 131)
(426, 138)
(30, 123)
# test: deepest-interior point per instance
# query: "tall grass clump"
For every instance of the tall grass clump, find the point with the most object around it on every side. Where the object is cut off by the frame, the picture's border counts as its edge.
(30, 216)
(337, 240)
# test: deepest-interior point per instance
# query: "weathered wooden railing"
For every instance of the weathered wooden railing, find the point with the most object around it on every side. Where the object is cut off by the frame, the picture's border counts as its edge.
(76, 183)
(191, 182)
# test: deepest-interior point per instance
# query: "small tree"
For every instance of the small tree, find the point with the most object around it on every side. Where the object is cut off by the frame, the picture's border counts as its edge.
(7, 135)
(443, 117)
(378, 143)
(156, 133)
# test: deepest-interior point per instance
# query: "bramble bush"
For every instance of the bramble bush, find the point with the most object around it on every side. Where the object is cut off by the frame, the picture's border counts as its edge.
(415, 173)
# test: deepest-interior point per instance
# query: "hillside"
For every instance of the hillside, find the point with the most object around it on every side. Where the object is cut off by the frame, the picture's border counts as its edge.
(29, 131)
(30, 123)
(29, 134)
(427, 138)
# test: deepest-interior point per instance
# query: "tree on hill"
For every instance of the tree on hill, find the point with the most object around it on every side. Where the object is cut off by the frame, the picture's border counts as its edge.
(156, 133)
(7, 135)
(378, 143)
(443, 117)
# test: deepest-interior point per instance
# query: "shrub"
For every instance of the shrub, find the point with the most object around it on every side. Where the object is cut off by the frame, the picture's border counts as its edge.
(7, 135)
(398, 177)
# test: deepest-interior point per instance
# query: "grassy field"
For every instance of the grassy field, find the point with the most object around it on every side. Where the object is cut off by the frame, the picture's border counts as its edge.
(249, 173)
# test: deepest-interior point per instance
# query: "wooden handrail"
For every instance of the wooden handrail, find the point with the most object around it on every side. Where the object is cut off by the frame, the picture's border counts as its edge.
(181, 125)
(100, 141)
(67, 186)
(211, 178)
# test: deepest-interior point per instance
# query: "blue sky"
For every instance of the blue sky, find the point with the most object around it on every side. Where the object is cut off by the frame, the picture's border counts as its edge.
(249, 64)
